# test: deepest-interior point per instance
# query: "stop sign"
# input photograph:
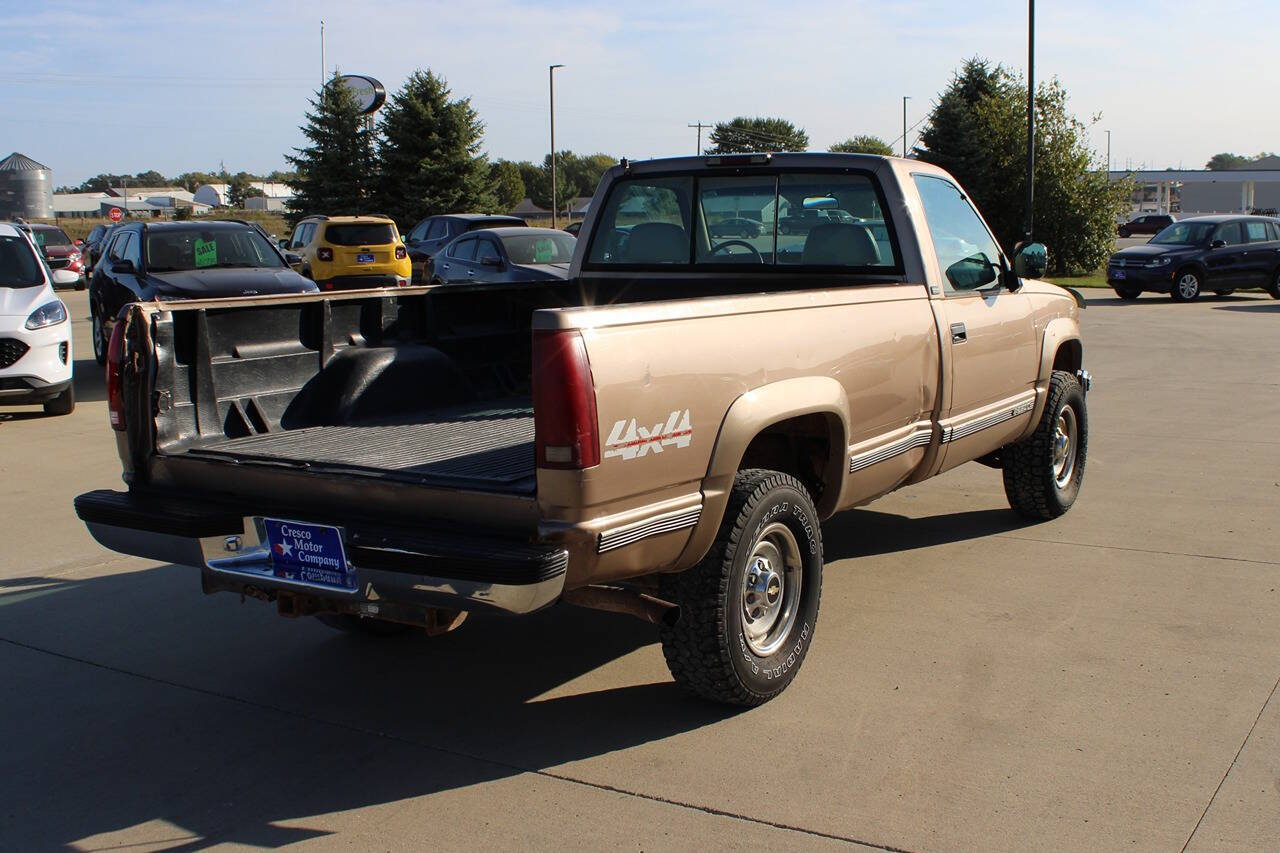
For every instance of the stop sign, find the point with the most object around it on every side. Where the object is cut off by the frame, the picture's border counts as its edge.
(116, 214)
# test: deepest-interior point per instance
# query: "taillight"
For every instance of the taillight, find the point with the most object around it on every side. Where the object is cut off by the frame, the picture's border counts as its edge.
(401, 253)
(115, 363)
(566, 431)
(324, 253)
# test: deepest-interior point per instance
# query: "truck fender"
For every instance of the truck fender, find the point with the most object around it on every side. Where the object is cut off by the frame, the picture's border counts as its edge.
(748, 416)
(1060, 332)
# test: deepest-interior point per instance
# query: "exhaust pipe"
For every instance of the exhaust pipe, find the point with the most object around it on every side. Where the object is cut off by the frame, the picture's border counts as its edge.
(616, 599)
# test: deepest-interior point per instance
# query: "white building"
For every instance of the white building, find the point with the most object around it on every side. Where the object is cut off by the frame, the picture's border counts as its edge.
(276, 194)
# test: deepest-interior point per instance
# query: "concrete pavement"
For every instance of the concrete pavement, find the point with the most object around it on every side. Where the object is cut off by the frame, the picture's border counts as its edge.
(1100, 681)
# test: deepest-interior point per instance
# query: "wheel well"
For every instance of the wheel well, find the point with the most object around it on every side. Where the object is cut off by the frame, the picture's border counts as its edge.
(1069, 357)
(803, 447)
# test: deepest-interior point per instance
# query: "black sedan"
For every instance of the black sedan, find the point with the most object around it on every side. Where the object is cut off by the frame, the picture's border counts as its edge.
(736, 227)
(498, 255)
(143, 262)
(1218, 253)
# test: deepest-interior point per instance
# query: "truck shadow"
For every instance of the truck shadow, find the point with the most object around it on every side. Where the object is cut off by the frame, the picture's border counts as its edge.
(91, 381)
(865, 533)
(132, 699)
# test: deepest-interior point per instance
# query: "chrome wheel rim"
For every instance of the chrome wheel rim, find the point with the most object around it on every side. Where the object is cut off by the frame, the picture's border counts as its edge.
(1188, 286)
(1064, 446)
(771, 590)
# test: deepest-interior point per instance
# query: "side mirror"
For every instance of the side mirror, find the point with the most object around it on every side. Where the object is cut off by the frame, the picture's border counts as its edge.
(123, 266)
(1030, 261)
(65, 278)
(971, 273)
(1217, 244)
(496, 263)
(293, 259)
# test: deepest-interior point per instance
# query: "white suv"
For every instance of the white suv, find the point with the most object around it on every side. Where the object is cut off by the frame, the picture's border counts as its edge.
(35, 330)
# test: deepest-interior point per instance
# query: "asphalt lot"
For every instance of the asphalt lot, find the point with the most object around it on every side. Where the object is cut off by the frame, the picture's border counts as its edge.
(1103, 681)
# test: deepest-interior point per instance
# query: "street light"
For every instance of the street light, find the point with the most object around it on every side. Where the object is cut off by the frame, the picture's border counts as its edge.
(551, 76)
(1031, 117)
(1108, 154)
(905, 98)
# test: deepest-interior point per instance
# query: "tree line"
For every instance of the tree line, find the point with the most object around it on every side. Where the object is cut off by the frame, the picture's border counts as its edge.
(424, 156)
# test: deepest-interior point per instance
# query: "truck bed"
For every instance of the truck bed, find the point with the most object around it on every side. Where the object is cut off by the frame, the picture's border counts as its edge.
(479, 446)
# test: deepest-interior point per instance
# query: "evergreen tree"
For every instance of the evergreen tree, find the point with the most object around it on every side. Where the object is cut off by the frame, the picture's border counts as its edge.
(508, 185)
(429, 161)
(863, 145)
(953, 137)
(744, 134)
(333, 171)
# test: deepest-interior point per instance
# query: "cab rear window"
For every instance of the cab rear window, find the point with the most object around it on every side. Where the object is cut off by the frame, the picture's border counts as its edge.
(360, 234)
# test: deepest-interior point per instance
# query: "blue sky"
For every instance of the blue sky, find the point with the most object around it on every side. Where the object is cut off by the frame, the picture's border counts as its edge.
(178, 86)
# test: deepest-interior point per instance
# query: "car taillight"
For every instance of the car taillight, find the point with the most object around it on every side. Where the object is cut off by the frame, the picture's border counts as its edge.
(566, 429)
(401, 253)
(324, 253)
(115, 363)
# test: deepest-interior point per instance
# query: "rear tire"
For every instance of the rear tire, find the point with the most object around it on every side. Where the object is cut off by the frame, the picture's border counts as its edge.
(63, 404)
(1044, 472)
(1125, 232)
(1186, 287)
(1128, 294)
(748, 611)
(97, 333)
(1274, 287)
(1224, 292)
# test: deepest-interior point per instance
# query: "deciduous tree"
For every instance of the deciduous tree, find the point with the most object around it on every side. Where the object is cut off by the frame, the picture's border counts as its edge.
(744, 134)
(863, 145)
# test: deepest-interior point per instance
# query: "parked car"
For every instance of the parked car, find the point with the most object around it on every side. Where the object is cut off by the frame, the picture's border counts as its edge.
(802, 221)
(1218, 253)
(93, 244)
(351, 252)
(60, 251)
(495, 255)
(735, 227)
(163, 261)
(1151, 223)
(435, 232)
(662, 436)
(35, 333)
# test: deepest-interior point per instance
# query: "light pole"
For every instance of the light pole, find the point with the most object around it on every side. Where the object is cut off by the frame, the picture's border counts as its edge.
(1031, 117)
(905, 98)
(1108, 154)
(551, 76)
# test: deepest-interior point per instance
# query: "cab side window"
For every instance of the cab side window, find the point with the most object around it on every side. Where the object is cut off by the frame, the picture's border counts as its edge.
(968, 256)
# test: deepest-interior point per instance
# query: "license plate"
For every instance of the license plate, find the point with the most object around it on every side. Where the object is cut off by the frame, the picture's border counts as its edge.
(308, 553)
(1117, 274)
(364, 258)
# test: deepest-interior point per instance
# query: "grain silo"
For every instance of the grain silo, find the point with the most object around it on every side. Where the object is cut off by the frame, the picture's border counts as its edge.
(26, 188)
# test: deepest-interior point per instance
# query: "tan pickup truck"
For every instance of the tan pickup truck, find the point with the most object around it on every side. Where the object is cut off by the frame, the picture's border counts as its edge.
(660, 435)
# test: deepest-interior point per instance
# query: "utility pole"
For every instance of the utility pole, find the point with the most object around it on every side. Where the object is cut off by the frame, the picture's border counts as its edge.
(1031, 118)
(551, 76)
(905, 98)
(1108, 154)
(699, 126)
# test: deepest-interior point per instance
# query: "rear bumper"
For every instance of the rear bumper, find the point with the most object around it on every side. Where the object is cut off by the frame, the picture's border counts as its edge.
(362, 282)
(393, 568)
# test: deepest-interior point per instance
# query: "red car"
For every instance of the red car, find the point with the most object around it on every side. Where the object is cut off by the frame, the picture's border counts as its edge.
(60, 251)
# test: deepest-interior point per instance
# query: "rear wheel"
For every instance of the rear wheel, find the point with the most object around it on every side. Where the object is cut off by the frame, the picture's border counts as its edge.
(97, 332)
(1128, 293)
(1274, 287)
(749, 609)
(1186, 287)
(1125, 232)
(63, 404)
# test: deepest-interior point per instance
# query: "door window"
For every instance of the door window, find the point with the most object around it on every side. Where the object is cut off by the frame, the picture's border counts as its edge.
(117, 245)
(968, 256)
(463, 250)
(132, 251)
(486, 249)
(419, 231)
(1274, 230)
(437, 230)
(1229, 233)
(1257, 232)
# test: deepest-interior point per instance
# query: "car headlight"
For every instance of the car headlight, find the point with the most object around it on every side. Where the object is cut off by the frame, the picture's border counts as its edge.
(49, 314)
(1162, 261)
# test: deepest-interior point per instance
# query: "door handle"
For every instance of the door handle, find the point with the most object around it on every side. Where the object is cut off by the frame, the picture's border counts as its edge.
(958, 333)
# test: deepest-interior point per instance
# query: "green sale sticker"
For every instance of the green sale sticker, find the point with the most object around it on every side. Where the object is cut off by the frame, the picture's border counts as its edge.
(206, 253)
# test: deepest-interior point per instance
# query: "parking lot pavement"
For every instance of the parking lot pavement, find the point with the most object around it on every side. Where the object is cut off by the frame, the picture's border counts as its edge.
(1100, 681)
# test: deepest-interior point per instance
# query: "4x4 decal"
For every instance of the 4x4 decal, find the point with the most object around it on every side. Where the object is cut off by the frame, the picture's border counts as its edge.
(630, 440)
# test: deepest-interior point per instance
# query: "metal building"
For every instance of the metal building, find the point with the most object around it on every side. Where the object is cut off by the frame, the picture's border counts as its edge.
(26, 188)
